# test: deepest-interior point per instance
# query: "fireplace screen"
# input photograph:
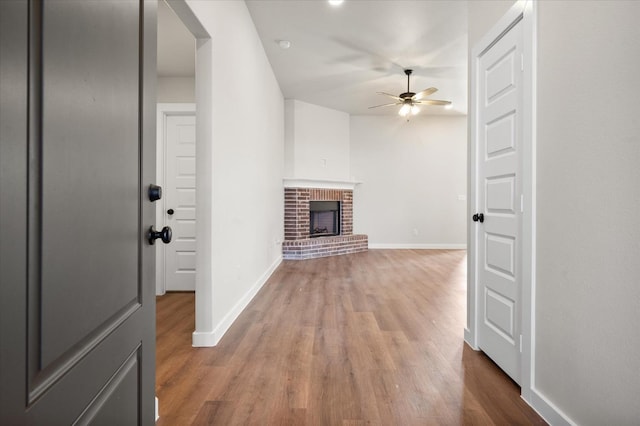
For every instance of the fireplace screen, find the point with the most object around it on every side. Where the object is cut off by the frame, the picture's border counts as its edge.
(324, 218)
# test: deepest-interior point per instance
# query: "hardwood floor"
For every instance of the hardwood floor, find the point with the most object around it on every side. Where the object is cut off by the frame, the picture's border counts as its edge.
(369, 338)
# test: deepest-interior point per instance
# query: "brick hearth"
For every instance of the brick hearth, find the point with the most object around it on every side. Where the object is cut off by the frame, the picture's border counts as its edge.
(298, 245)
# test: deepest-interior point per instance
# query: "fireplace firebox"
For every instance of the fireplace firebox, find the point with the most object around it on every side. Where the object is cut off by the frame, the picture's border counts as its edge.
(324, 218)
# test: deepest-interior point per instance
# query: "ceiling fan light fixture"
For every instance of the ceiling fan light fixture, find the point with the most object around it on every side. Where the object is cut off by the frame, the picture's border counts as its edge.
(404, 110)
(448, 106)
(414, 109)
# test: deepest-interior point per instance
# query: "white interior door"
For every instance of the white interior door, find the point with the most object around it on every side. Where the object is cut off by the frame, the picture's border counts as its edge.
(180, 202)
(499, 199)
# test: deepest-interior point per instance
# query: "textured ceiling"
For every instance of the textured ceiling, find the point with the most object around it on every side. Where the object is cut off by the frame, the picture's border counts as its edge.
(341, 56)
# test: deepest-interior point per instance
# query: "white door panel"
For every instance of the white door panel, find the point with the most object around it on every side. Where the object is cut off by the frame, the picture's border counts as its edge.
(500, 135)
(500, 194)
(180, 181)
(499, 187)
(500, 314)
(500, 254)
(186, 197)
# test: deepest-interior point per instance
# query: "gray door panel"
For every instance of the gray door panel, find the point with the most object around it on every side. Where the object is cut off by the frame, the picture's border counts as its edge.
(13, 206)
(77, 327)
(89, 163)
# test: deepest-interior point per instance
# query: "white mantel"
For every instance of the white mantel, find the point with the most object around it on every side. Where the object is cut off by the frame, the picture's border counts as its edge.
(319, 183)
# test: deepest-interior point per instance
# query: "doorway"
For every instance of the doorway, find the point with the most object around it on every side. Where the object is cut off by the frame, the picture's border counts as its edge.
(176, 149)
(175, 262)
(202, 336)
(502, 196)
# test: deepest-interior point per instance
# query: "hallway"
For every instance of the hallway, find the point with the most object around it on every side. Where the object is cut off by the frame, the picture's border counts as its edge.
(369, 338)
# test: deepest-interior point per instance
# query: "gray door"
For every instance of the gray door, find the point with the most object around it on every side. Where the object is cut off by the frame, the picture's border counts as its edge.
(76, 157)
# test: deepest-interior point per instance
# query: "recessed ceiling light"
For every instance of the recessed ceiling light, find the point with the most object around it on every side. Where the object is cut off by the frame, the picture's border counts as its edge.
(284, 44)
(335, 2)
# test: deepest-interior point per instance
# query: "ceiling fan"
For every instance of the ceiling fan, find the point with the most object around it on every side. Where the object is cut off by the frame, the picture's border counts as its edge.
(410, 100)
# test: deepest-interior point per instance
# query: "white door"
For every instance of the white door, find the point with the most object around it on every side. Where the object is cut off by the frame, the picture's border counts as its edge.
(499, 192)
(180, 202)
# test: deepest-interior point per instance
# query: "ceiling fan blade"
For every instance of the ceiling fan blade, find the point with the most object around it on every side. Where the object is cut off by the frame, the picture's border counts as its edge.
(383, 105)
(432, 102)
(425, 92)
(389, 95)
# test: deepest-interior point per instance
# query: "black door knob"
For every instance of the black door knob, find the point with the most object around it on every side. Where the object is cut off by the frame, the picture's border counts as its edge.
(155, 192)
(478, 217)
(170, 212)
(164, 234)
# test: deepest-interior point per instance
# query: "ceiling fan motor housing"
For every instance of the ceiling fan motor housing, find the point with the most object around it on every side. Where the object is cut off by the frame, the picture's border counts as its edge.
(410, 100)
(408, 94)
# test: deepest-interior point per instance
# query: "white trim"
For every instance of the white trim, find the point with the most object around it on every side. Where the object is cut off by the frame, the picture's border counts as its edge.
(548, 411)
(163, 111)
(190, 21)
(528, 319)
(469, 337)
(204, 161)
(443, 246)
(176, 108)
(157, 409)
(203, 339)
(204, 183)
(319, 183)
(211, 338)
(524, 10)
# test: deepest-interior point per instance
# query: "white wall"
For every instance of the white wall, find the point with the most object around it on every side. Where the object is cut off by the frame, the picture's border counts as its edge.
(413, 174)
(316, 142)
(176, 90)
(587, 301)
(289, 138)
(245, 176)
(483, 15)
(588, 275)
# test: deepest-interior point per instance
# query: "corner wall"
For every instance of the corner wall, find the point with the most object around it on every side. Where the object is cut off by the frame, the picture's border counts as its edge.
(247, 163)
(588, 240)
(414, 175)
(317, 142)
(176, 90)
(482, 16)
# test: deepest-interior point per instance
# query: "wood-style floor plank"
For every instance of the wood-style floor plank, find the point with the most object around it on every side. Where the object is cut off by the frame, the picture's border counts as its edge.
(373, 338)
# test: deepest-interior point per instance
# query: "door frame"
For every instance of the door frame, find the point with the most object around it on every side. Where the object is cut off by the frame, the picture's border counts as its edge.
(524, 11)
(164, 111)
(204, 334)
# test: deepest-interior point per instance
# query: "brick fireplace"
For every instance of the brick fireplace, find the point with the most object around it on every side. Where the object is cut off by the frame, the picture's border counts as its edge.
(298, 243)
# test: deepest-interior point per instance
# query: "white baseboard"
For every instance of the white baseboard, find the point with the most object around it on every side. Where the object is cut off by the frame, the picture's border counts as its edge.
(211, 338)
(469, 340)
(548, 411)
(417, 246)
(206, 339)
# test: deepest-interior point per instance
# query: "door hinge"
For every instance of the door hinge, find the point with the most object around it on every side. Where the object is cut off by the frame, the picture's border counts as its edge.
(521, 343)
(521, 203)
(521, 62)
